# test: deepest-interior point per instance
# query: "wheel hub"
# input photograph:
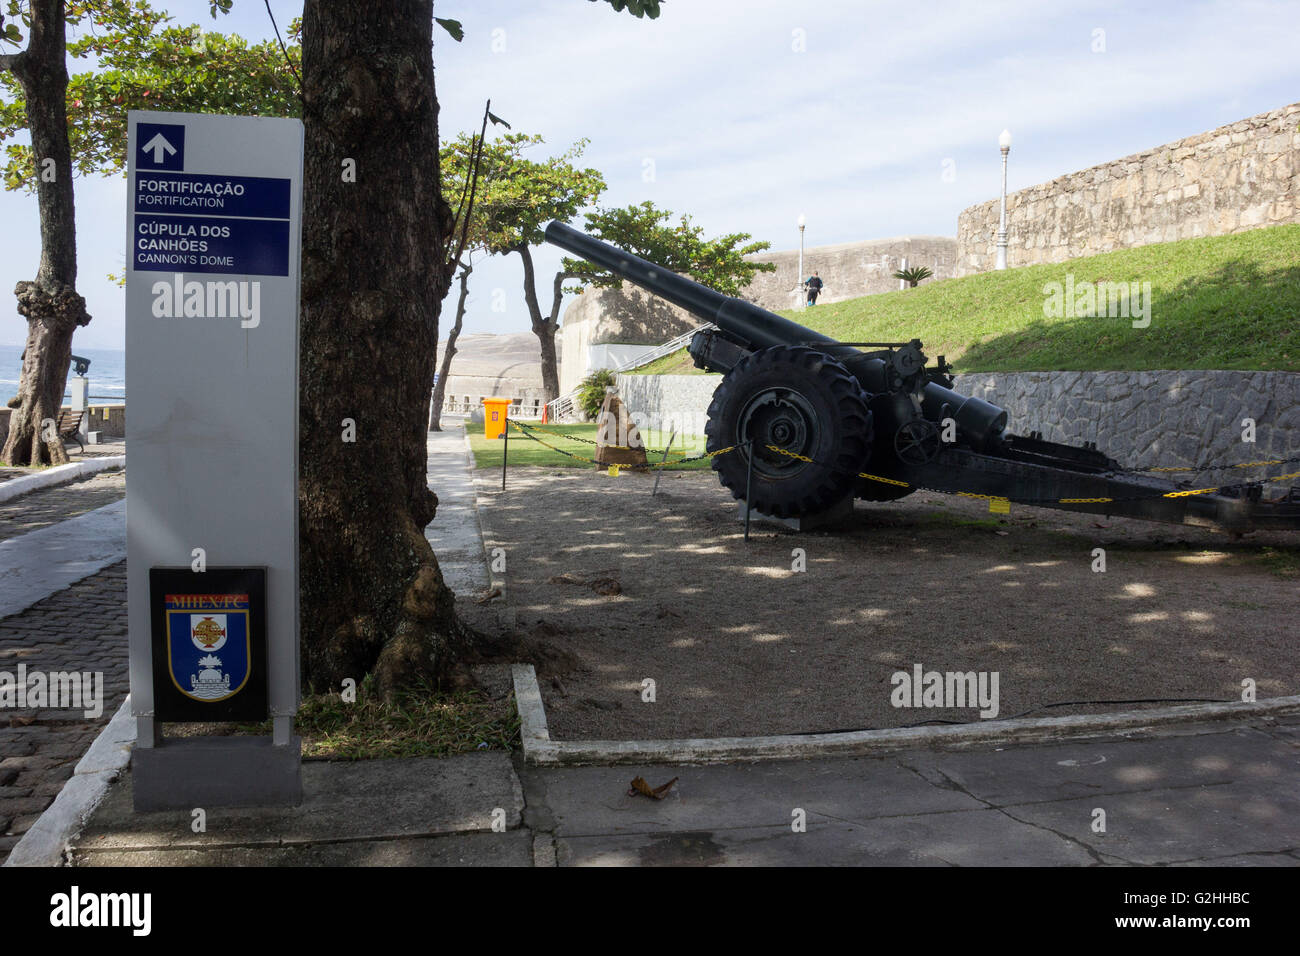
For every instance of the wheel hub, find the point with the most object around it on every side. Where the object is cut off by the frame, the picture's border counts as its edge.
(917, 442)
(782, 417)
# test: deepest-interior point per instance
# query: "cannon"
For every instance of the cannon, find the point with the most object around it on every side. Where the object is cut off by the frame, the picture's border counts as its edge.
(815, 422)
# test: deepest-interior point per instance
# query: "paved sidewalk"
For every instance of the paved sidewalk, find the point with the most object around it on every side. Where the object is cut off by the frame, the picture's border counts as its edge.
(454, 532)
(1221, 795)
(81, 628)
(48, 506)
(416, 812)
(36, 564)
(62, 609)
(1226, 793)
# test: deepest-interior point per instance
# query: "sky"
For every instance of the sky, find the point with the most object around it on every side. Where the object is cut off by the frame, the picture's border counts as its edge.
(871, 119)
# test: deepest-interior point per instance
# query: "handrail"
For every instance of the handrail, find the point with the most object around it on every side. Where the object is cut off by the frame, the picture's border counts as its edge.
(559, 408)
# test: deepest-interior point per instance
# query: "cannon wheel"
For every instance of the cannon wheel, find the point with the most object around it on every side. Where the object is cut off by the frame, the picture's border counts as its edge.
(804, 402)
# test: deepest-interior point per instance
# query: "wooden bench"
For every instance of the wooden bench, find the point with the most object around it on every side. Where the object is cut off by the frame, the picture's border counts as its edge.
(69, 426)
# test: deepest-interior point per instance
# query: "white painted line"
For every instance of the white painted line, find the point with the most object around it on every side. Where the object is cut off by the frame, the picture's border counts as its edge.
(541, 750)
(35, 565)
(58, 475)
(45, 843)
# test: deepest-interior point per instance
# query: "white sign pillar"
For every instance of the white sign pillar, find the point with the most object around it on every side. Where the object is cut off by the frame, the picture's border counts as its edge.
(212, 288)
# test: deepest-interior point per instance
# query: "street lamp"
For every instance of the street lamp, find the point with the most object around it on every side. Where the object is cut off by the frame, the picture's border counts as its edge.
(803, 299)
(1004, 144)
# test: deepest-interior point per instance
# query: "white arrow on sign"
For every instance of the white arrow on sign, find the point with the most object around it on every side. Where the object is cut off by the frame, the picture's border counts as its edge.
(160, 148)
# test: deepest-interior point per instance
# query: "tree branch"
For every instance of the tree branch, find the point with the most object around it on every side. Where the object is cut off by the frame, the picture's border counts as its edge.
(9, 62)
(560, 278)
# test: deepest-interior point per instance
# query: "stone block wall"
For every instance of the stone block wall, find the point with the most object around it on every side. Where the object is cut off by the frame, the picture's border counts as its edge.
(1165, 418)
(1141, 419)
(849, 269)
(669, 401)
(1237, 177)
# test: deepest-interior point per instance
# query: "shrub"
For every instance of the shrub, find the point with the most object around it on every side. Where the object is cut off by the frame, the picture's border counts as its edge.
(591, 393)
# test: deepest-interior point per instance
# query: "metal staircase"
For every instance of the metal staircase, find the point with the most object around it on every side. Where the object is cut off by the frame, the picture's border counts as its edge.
(565, 408)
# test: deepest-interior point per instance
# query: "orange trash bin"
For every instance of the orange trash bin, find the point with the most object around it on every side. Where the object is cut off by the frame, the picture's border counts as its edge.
(494, 416)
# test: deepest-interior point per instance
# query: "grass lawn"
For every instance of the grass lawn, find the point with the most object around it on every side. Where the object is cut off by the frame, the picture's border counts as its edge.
(420, 722)
(1224, 302)
(526, 451)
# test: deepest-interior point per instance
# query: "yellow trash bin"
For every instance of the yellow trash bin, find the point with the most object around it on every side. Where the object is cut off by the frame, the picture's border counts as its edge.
(494, 416)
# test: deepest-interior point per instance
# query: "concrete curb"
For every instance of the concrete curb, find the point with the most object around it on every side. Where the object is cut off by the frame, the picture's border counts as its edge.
(541, 750)
(61, 474)
(45, 842)
(495, 581)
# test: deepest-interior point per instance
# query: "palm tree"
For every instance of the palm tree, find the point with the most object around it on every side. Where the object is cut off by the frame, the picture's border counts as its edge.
(914, 274)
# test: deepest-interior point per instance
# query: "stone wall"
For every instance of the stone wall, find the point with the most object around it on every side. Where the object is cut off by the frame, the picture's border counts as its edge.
(624, 316)
(108, 420)
(850, 269)
(1174, 419)
(669, 401)
(1237, 177)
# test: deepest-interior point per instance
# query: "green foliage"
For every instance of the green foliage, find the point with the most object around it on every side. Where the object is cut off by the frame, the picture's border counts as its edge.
(914, 274)
(138, 60)
(453, 28)
(638, 8)
(1222, 302)
(646, 232)
(517, 195)
(591, 393)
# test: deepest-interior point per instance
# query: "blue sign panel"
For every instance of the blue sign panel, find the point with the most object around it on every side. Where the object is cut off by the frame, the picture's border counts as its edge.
(159, 146)
(208, 244)
(209, 644)
(208, 636)
(200, 195)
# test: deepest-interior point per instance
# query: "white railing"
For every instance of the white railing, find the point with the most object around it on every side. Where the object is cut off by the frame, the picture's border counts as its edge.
(516, 409)
(565, 407)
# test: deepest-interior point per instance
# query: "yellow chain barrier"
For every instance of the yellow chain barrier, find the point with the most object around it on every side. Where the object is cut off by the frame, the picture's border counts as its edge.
(992, 499)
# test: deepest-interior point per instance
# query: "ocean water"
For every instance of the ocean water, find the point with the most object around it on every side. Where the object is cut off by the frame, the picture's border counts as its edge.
(107, 373)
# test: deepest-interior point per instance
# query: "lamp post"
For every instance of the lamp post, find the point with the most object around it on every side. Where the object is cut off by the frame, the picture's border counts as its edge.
(1004, 144)
(803, 299)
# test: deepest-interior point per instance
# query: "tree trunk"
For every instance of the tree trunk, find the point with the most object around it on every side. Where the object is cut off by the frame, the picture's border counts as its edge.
(440, 387)
(544, 327)
(372, 594)
(50, 304)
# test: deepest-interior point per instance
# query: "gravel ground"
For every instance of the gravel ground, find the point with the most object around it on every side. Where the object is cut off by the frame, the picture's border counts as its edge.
(620, 587)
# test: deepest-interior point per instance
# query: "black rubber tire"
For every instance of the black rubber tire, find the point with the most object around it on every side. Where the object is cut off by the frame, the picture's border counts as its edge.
(799, 399)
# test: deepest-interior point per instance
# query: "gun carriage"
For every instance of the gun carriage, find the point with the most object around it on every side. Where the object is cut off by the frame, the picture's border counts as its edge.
(816, 415)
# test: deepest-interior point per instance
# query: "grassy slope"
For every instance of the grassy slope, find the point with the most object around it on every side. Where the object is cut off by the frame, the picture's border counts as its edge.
(525, 451)
(1226, 302)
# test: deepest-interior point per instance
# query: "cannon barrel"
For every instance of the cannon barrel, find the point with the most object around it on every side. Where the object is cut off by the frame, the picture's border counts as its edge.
(745, 320)
(980, 422)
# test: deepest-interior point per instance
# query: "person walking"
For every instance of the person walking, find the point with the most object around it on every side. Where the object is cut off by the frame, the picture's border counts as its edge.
(814, 286)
